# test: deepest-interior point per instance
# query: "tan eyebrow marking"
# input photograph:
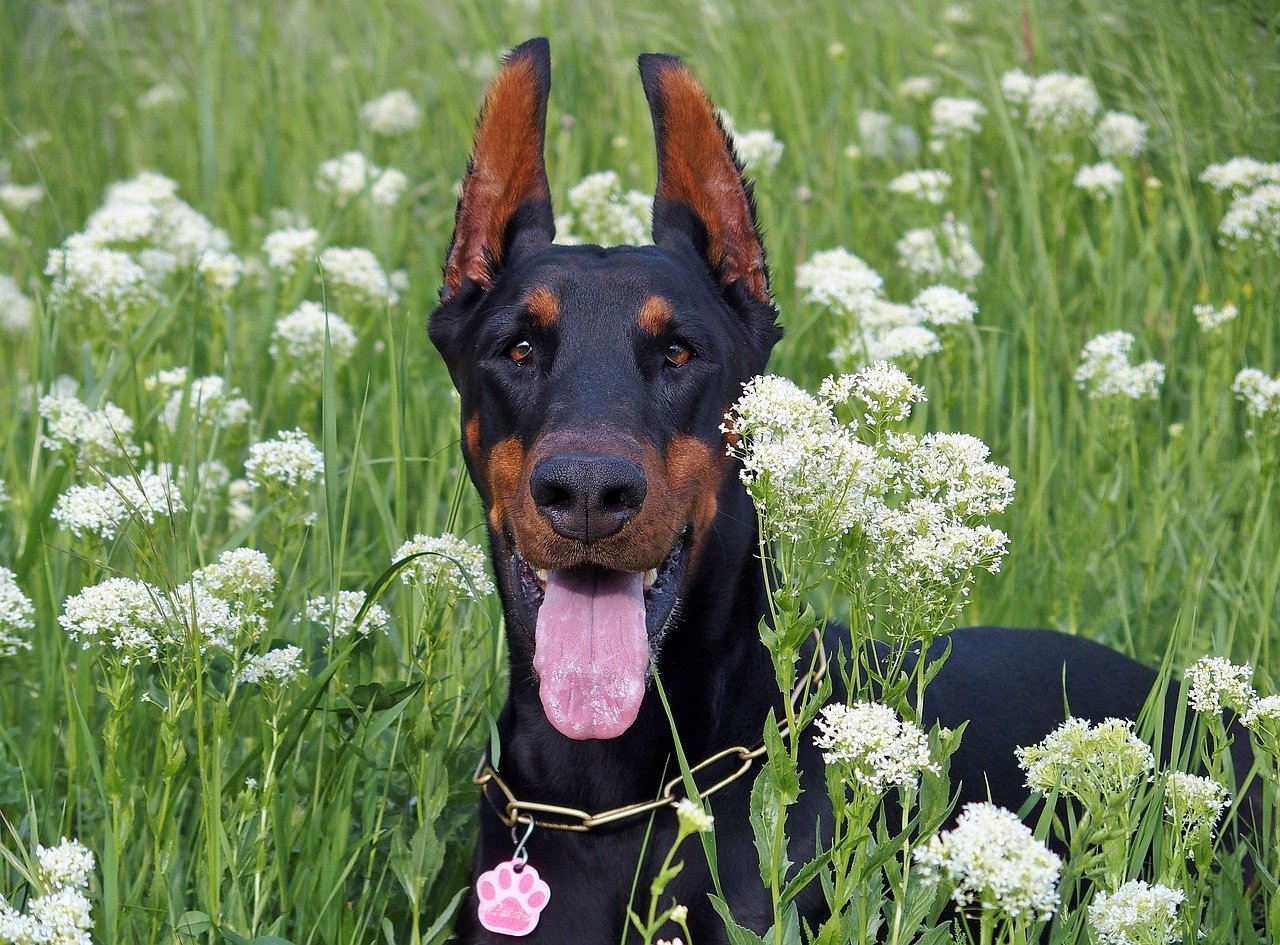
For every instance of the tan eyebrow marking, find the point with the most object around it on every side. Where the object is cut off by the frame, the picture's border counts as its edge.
(655, 313)
(543, 306)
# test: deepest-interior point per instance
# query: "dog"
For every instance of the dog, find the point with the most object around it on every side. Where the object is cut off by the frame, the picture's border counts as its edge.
(593, 384)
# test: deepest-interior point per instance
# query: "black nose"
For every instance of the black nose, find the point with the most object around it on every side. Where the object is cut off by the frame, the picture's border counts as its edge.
(587, 496)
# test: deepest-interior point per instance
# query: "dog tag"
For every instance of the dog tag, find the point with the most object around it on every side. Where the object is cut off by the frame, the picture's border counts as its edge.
(511, 897)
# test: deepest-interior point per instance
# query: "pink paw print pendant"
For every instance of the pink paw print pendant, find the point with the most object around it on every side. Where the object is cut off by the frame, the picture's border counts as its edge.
(511, 897)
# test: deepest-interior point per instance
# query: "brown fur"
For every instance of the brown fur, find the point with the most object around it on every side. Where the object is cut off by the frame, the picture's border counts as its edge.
(655, 315)
(542, 305)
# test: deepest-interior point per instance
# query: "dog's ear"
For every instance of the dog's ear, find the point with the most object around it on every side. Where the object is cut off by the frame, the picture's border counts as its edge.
(505, 206)
(702, 199)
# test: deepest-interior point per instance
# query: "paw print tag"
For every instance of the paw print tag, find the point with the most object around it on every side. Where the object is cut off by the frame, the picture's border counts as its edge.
(511, 897)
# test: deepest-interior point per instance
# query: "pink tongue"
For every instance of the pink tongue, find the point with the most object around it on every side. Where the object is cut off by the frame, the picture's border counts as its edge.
(591, 651)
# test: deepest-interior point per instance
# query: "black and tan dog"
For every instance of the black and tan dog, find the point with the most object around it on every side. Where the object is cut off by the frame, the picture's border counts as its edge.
(593, 382)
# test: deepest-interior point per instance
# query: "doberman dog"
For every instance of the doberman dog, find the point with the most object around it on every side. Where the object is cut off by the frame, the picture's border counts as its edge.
(594, 381)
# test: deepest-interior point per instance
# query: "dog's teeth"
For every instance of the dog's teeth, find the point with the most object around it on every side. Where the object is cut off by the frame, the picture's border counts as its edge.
(541, 574)
(650, 578)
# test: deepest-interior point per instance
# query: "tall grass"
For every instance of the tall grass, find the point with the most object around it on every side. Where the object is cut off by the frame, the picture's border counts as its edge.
(1161, 538)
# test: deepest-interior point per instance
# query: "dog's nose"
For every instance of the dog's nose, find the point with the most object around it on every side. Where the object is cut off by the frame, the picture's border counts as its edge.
(587, 496)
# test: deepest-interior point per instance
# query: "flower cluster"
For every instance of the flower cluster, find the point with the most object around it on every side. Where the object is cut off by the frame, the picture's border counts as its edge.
(17, 615)
(275, 668)
(758, 149)
(1091, 763)
(95, 438)
(58, 910)
(299, 341)
(693, 817)
(289, 249)
(352, 175)
(15, 308)
(872, 747)
(944, 253)
(1216, 684)
(391, 114)
(445, 564)
(1252, 221)
(356, 274)
(1193, 803)
(1106, 372)
(930, 185)
(954, 119)
(992, 860)
(600, 212)
(1137, 913)
(103, 510)
(1119, 134)
(1053, 102)
(1099, 181)
(338, 616)
(206, 403)
(1261, 397)
(1212, 318)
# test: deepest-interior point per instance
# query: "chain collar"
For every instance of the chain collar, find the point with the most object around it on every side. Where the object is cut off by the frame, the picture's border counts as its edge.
(516, 811)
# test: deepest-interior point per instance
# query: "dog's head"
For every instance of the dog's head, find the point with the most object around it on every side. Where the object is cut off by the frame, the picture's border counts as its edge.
(594, 382)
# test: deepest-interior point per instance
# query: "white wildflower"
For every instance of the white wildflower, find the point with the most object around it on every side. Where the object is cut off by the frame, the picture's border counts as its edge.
(1241, 173)
(1100, 181)
(61, 917)
(600, 212)
(20, 198)
(1137, 913)
(838, 279)
(1217, 684)
(299, 341)
(1263, 717)
(17, 615)
(99, 282)
(1253, 220)
(886, 392)
(693, 817)
(121, 613)
(1061, 102)
(875, 132)
(291, 248)
(160, 96)
(206, 403)
(70, 863)
(929, 185)
(352, 174)
(1211, 318)
(918, 88)
(1119, 134)
(1106, 371)
(103, 510)
(872, 746)
(356, 273)
(991, 859)
(95, 437)
(1194, 803)
(1088, 762)
(954, 119)
(939, 254)
(243, 575)
(943, 306)
(339, 616)
(16, 309)
(277, 667)
(289, 464)
(221, 271)
(391, 114)
(445, 563)
(1261, 397)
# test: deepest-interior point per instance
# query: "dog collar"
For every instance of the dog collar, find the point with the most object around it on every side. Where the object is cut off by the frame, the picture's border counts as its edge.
(515, 811)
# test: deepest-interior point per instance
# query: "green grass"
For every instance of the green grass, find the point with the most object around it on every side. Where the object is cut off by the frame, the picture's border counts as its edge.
(1161, 539)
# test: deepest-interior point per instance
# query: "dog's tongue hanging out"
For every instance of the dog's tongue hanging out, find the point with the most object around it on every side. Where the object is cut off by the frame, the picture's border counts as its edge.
(591, 651)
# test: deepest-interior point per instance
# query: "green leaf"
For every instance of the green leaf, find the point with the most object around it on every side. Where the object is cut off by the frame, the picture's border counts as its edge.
(192, 924)
(737, 934)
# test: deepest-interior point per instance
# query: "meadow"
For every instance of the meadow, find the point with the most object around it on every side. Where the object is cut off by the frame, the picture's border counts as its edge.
(276, 745)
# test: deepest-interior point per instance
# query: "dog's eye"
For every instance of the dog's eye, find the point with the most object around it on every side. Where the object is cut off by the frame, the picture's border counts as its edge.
(519, 351)
(678, 354)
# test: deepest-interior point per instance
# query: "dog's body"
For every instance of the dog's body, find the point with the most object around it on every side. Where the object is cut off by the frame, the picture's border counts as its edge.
(593, 383)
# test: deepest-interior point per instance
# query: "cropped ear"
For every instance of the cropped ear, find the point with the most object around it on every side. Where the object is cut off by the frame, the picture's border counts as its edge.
(506, 202)
(702, 197)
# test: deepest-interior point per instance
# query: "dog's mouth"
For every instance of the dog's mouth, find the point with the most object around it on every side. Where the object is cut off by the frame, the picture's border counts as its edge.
(594, 630)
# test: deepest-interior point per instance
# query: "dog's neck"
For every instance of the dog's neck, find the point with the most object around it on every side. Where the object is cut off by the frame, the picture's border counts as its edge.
(711, 657)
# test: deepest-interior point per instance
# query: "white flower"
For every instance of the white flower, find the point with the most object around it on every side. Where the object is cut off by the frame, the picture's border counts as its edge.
(1263, 716)
(17, 615)
(1119, 134)
(220, 271)
(206, 403)
(277, 667)
(20, 197)
(102, 510)
(1261, 397)
(1216, 684)
(873, 746)
(159, 96)
(1211, 318)
(758, 149)
(928, 185)
(290, 248)
(1194, 803)
(1241, 173)
(918, 88)
(68, 864)
(600, 212)
(356, 272)
(352, 174)
(875, 132)
(693, 816)
(1061, 102)
(339, 617)
(943, 306)
(61, 917)
(887, 393)
(243, 575)
(101, 282)
(1253, 220)
(954, 119)
(1088, 762)
(992, 859)
(15, 308)
(838, 279)
(1100, 181)
(96, 437)
(1105, 370)
(391, 114)
(1137, 913)
(445, 563)
(290, 463)
(946, 252)
(299, 342)
(119, 612)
